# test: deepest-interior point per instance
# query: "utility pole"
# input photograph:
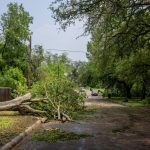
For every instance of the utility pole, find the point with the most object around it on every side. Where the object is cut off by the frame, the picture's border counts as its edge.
(57, 74)
(29, 61)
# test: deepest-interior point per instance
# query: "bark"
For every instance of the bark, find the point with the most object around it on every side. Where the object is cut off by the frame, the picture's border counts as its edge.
(58, 112)
(67, 117)
(22, 104)
(143, 94)
(128, 90)
(25, 109)
(44, 100)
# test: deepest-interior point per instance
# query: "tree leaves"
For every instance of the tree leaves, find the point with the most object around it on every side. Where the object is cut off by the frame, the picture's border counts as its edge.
(15, 26)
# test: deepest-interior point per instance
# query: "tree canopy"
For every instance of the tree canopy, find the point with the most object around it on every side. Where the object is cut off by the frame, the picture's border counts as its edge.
(119, 46)
(96, 12)
(15, 34)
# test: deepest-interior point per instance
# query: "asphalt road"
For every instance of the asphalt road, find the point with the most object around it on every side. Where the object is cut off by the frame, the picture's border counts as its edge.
(112, 127)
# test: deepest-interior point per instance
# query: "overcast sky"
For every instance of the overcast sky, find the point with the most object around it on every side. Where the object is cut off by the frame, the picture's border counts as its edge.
(46, 33)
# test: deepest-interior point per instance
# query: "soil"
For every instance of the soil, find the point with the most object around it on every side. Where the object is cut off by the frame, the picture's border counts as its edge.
(112, 126)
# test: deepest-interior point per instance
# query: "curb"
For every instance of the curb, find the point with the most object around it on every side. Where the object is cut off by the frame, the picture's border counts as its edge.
(22, 135)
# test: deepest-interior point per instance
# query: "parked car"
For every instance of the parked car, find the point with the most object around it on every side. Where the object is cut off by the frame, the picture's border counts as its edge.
(94, 92)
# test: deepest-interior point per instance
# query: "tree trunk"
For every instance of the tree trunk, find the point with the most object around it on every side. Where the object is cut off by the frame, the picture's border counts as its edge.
(10, 105)
(128, 90)
(22, 104)
(58, 113)
(143, 94)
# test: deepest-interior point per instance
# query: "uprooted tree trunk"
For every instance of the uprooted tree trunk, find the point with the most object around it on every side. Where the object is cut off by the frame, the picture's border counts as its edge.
(23, 105)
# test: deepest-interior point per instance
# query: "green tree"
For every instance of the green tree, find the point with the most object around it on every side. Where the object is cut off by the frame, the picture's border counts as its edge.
(14, 78)
(59, 60)
(75, 67)
(15, 34)
(120, 29)
(117, 66)
(96, 12)
(37, 59)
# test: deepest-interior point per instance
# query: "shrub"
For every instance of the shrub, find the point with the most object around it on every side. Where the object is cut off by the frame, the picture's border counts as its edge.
(14, 79)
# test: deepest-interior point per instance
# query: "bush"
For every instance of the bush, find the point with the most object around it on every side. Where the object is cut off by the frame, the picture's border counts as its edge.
(14, 79)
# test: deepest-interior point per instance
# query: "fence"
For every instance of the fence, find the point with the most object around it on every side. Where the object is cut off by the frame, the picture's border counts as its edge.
(5, 94)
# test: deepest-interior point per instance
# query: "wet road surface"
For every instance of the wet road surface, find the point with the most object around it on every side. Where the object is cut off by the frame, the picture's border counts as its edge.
(112, 127)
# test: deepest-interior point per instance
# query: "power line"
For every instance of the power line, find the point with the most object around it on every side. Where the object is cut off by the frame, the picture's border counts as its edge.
(50, 49)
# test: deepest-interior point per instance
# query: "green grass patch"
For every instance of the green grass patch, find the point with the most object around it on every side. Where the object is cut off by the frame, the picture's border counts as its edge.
(8, 113)
(81, 114)
(57, 135)
(6, 122)
(138, 105)
(134, 102)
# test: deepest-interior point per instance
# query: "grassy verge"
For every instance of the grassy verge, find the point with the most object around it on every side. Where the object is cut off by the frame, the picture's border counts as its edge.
(55, 134)
(134, 102)
(6, 122)
(11, 124)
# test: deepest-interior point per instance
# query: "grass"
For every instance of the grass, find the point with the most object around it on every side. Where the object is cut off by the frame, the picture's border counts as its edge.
(138, 105)
(6, 122)
(134, 102)
(81, 114)
(11, 124)
(8, 113)
(56, 135)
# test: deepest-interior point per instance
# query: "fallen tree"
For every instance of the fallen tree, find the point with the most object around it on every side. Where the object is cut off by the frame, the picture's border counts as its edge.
(23, 105)
(58, 97)
(15, 102)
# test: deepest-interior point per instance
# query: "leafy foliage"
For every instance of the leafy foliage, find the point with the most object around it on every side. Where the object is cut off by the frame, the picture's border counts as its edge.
(96, 13)
(15, 34)
(120, 32)
(14, 79)
(37, 59)
(14, 25)
(58, 89)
